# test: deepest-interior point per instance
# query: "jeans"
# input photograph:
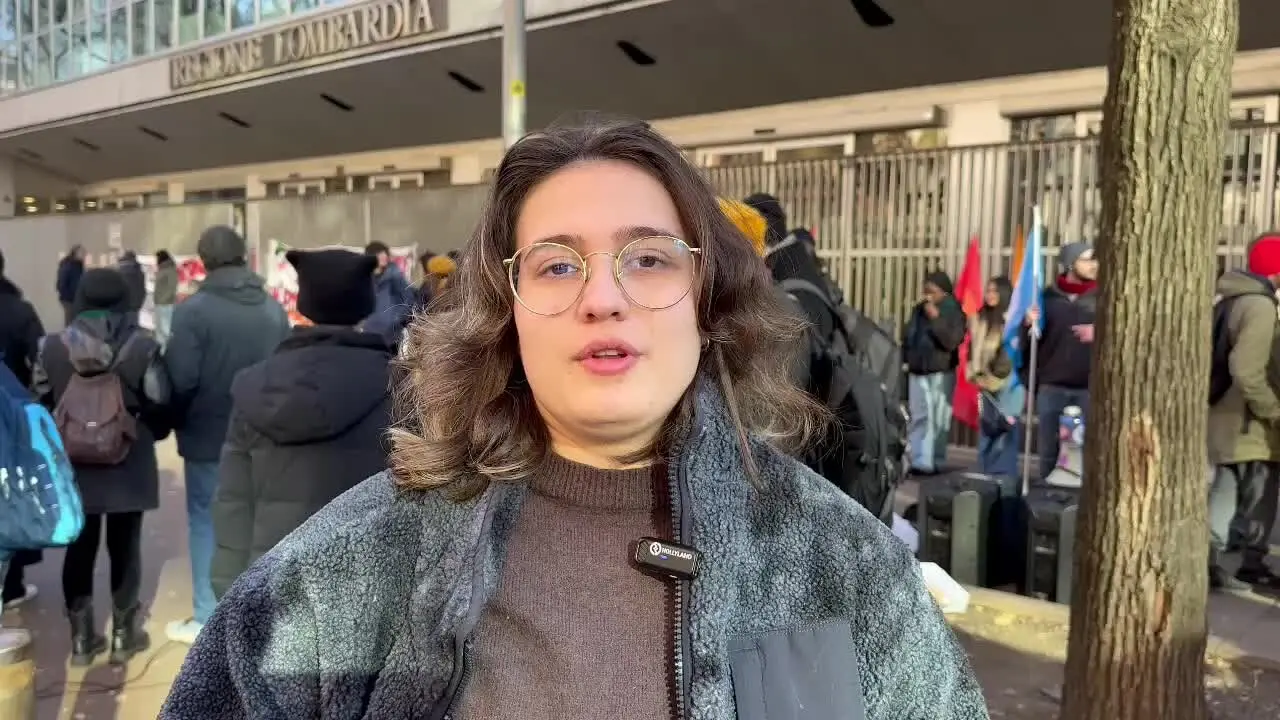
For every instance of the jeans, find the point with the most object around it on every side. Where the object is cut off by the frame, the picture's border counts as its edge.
(164, 323)
(1249, 491)
(998, 456)
(124, 548)
(202, 484)
(929, 428)
(1050, 402)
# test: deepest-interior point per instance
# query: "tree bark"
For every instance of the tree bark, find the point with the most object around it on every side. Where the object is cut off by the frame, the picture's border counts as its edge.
(1138, 624)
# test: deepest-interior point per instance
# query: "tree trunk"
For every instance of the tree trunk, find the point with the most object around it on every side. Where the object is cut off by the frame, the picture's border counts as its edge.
(1138, 625)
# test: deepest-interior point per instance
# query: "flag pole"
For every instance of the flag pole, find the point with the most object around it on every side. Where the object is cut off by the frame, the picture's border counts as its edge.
(1029, 405)
(1027, 413)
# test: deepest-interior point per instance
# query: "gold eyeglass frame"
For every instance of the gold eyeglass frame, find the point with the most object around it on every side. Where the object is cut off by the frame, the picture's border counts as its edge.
(510, 264)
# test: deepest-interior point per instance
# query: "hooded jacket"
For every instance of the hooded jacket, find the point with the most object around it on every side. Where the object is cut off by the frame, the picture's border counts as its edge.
(1243, 426)
(229, 324)
(92, 345)
(803, 603)
(306, 424)
(20, 331)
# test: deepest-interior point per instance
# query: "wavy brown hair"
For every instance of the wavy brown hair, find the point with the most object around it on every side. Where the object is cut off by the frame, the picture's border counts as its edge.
(465, 413)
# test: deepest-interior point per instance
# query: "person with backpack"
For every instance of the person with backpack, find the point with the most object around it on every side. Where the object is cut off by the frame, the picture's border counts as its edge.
(20, 333)
(103, 378)
(1244, 417)
(228, 324)
(931, 351)
(309, 421)
(848, 363)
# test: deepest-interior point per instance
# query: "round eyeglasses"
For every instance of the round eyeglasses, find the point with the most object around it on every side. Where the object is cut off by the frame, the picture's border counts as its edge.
(653, 272)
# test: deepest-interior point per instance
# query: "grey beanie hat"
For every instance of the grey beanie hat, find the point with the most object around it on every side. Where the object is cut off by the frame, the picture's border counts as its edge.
(1071, 252)
(220, 246)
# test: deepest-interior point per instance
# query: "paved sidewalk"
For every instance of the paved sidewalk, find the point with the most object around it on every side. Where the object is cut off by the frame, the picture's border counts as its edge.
(1241, 626)
(102, 692)
(1244, 626)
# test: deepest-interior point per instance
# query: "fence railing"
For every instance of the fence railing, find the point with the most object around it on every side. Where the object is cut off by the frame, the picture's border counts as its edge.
(882, 221)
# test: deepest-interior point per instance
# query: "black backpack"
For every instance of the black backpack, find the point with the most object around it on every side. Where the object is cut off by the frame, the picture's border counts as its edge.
(1220, 370)
(858, 373)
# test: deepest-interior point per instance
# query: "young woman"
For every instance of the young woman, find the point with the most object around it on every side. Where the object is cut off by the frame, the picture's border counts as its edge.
(103, 338)
(588, 513)
(991, 370)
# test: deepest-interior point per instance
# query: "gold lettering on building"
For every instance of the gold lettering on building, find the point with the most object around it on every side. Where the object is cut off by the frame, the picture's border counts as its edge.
(309, 41)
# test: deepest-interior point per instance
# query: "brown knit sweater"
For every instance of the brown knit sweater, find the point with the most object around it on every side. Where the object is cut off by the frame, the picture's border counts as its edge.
(574, 631)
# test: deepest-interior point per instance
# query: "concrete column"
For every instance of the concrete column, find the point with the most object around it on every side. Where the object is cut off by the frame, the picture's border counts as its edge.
(8, 187)
(466, 170)
(254, 188)
(175, 193)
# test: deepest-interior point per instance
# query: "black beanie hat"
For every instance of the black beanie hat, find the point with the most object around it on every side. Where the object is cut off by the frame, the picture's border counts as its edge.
(101, 289)
(335, 287)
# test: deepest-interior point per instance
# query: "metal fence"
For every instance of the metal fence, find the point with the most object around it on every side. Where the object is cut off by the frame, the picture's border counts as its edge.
(882, 221)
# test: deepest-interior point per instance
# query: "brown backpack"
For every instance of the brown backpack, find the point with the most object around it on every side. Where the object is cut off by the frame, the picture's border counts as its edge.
(96, 427)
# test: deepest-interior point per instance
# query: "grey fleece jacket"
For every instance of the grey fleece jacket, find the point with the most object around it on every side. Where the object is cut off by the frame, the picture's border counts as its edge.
(804, 604)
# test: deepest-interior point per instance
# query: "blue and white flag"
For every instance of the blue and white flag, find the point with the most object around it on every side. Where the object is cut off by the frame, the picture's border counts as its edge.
(1027, 293)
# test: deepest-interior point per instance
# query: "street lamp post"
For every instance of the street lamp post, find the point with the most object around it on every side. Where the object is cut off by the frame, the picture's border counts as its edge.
(513, 72)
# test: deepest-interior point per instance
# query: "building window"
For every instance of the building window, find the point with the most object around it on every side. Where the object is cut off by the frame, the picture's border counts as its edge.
(189, 20)
(215, 17)
(243, 13)
(271, 9)
(141, 37)
(162, 25)
(1050, 127)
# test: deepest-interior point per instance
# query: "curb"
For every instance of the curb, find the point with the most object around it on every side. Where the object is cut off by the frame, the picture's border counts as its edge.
(1054, 612)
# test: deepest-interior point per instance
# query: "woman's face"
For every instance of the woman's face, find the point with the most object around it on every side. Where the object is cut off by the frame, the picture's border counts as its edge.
(596, 208)
(992, 297)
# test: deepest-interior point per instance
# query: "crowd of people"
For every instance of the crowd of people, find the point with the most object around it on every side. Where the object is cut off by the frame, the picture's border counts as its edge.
(623, 368)
(299, 388)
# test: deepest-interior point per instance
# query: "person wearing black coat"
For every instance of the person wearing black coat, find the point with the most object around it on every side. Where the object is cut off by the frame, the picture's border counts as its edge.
(309, 421)
(20, 333)
(931, 352)
(70, 270)
(104, 337)
(135, 279)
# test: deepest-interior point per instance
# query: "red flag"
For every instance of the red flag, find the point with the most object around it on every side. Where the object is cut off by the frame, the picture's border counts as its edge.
(964, 404)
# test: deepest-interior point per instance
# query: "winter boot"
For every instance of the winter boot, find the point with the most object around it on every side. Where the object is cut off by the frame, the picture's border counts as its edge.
(86, 643)
(127, 638)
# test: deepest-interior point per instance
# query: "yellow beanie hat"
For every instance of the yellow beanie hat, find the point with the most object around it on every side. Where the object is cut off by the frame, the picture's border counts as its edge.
(748, 221)
(441, 265)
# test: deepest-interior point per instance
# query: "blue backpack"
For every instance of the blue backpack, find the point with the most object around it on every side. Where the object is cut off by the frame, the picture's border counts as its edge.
(39, 503)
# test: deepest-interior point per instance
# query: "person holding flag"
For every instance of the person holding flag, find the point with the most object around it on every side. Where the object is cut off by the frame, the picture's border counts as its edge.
(1058, 329)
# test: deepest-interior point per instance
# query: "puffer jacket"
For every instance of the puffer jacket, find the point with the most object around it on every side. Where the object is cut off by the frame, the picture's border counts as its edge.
(1245, 424)
(365, 610)
(306, 425)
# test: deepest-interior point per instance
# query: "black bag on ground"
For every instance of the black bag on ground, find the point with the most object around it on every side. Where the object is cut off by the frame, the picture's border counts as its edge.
(857, 373)
(1051, 514)
(970, 526)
